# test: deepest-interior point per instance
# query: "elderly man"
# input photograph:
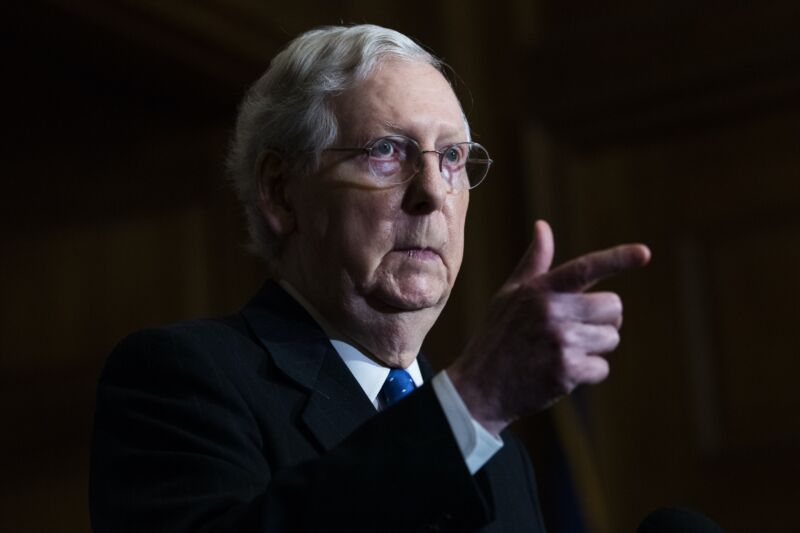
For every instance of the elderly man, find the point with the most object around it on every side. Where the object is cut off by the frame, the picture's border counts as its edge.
(354, 162)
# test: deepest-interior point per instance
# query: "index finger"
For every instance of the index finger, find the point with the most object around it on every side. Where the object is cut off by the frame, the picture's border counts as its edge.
(582, 272)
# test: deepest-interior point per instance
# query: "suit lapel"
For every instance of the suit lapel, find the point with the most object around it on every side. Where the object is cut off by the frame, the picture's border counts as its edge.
(299, 348)
(337, 405)
(425, 368)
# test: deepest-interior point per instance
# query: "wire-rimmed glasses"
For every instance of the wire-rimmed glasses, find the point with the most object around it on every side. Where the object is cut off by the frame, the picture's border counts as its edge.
(395, 159)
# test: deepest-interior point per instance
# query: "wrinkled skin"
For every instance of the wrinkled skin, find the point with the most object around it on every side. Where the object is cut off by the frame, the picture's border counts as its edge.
(379, 264)
(544, 335)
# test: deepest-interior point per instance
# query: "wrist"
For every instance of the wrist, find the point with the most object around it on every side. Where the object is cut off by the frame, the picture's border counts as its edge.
(482, 405)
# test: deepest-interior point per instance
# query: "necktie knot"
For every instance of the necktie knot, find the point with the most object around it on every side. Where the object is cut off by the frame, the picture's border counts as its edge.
(397, 386)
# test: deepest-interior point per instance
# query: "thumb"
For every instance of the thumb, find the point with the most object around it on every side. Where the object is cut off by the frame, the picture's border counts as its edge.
(539, 255)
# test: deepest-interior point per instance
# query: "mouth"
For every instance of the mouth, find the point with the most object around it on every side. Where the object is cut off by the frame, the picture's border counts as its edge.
(420, 253)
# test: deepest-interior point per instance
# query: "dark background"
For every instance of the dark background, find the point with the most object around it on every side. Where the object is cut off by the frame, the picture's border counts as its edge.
(673, 123)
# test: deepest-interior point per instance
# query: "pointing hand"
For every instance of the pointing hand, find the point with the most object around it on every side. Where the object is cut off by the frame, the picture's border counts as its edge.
(544, 334)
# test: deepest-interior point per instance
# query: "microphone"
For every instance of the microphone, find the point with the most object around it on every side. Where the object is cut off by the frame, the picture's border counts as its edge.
(677, 520)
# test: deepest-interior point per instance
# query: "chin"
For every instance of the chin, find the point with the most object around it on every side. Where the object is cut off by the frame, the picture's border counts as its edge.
(412, 296)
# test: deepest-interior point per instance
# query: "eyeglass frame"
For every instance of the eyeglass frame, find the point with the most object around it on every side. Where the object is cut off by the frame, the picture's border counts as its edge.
(419, 164)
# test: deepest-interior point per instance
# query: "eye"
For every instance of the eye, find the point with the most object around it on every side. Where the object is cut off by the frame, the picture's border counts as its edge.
(383, 149)
(453, 156)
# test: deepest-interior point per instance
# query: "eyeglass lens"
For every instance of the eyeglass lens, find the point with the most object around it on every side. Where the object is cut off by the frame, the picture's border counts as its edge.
(395, 159)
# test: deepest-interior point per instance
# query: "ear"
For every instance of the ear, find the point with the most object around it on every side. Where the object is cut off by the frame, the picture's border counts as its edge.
(273, 201)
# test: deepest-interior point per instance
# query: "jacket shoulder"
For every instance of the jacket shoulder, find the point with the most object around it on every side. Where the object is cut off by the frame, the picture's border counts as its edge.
(217, 342)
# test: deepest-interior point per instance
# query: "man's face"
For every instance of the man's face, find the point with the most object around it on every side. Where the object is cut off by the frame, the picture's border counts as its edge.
(395, 249)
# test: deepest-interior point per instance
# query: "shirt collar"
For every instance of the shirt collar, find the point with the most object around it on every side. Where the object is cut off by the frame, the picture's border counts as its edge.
(369, 374)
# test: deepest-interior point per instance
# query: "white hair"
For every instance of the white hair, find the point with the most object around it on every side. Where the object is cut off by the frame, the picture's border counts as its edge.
(289, 108)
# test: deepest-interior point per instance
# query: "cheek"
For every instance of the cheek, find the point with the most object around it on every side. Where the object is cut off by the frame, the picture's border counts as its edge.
(365, 229)
(456, 224)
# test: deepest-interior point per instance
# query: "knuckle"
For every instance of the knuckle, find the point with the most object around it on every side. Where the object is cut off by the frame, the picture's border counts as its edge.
(571, 334)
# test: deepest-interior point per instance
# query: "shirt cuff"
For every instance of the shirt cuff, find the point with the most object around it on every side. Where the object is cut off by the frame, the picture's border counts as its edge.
(476, 443)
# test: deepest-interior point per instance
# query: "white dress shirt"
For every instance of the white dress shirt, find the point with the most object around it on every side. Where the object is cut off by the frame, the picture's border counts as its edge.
(477, 445)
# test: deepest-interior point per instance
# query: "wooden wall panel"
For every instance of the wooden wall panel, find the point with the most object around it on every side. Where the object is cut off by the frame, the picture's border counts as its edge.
(754, 285)
(676, 124)
(701, 396)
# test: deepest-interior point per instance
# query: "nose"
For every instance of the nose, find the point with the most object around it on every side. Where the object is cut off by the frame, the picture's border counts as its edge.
(427, 190)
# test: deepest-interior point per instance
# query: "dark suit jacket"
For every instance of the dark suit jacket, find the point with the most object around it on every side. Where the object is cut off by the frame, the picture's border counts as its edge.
(252, 423)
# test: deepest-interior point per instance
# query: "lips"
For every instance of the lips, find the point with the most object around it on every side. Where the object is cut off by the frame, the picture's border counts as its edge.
(423, 253)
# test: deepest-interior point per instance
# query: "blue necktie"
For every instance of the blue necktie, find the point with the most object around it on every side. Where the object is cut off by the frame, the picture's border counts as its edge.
(397, 386)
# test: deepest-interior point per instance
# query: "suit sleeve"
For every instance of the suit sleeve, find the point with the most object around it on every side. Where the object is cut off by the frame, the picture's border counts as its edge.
(177, 448)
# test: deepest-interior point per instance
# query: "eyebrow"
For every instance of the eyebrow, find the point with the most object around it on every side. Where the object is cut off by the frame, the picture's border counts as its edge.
(449, 133)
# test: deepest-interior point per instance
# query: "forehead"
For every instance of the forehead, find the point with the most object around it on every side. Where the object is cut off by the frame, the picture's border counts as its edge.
(411, 98)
